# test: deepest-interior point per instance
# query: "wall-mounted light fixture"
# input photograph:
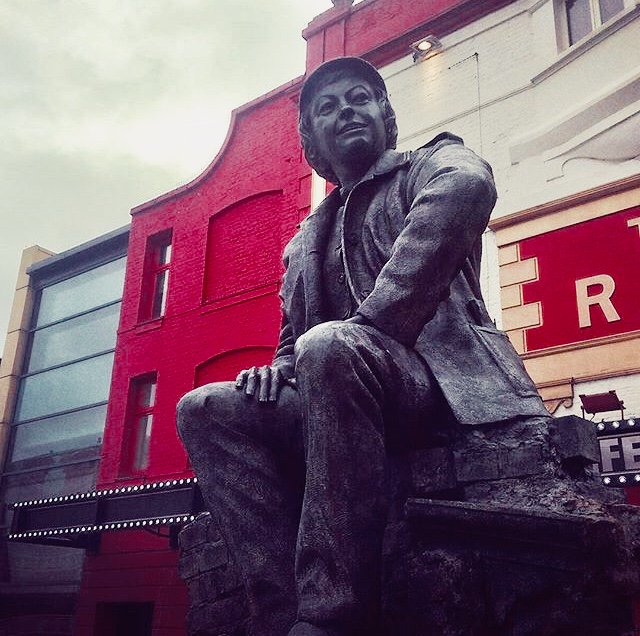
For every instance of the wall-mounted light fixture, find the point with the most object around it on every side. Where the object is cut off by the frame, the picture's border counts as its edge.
(601, 403)
(425, 47)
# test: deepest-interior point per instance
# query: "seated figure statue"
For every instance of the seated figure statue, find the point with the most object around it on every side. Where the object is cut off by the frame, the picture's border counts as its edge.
(384, 336)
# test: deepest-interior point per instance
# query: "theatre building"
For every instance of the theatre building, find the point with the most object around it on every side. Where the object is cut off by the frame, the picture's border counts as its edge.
(548, 91)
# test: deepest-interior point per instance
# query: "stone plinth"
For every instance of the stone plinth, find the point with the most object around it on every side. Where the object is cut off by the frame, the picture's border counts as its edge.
(506, 531)
(217, 600)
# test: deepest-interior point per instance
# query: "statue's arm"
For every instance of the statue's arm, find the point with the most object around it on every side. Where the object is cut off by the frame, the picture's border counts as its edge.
(453, 193)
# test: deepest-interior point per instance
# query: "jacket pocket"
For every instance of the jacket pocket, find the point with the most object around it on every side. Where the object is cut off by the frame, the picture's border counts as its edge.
(506, 358)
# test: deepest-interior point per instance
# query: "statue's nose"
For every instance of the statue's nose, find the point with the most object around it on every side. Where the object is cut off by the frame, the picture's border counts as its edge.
(346, 111)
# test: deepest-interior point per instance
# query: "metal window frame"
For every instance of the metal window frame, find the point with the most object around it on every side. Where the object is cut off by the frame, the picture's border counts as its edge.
(128, 465)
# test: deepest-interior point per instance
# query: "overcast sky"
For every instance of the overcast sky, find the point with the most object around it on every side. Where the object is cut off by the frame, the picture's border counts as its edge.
(108, 103)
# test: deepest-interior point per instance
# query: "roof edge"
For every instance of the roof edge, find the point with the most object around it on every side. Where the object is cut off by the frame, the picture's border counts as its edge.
(235, 115)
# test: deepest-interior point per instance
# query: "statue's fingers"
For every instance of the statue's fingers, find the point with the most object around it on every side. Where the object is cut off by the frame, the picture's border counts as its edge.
(241, 379)
(277, 380)
(265, 383)
(252, 380)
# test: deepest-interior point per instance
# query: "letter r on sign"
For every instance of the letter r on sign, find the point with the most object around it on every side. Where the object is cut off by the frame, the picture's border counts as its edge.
(602, 298)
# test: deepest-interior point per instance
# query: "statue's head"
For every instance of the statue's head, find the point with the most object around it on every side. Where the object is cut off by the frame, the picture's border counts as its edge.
(345, 116)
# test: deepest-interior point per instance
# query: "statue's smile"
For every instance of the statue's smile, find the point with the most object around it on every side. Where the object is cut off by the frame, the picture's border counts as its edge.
(351, 126)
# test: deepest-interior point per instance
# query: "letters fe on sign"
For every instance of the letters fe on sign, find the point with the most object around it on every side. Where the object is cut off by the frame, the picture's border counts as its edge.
(619, 443)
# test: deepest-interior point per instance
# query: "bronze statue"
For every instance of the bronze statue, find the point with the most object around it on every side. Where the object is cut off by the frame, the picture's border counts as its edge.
(385, 340)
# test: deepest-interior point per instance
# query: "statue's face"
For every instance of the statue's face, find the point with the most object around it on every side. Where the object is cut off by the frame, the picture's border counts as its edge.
(347, 123)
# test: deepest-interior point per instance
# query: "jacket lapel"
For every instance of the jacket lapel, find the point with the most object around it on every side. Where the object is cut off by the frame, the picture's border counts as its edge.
(315, 232)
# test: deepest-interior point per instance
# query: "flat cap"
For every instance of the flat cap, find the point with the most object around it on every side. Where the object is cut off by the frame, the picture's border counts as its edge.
(355, 65)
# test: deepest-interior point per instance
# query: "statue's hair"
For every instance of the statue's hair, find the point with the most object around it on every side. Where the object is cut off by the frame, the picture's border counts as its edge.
(319, 163)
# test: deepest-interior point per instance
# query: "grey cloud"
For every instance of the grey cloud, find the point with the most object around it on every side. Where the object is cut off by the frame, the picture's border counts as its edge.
(70, 69)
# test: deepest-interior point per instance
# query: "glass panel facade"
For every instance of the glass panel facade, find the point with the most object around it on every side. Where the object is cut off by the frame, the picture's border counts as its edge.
(50, 482)
(64, 388)
(60, 414)
(78, 337)
(578, 19)
(39, 565)
(80, 293)
(608, 8)
(38, 441)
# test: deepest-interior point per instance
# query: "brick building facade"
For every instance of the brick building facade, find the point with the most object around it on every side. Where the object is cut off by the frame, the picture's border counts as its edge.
(549, 98)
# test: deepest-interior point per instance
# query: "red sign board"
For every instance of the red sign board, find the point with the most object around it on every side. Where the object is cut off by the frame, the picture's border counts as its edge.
(588, 282)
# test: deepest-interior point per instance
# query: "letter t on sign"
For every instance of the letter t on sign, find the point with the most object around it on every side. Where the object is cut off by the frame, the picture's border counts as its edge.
(602, 298)
(634, 223)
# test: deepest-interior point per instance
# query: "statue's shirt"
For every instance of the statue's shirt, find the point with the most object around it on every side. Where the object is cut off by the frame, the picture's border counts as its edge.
(339, 302)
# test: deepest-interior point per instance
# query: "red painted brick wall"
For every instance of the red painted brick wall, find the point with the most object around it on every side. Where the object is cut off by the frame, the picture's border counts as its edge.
(222, 314)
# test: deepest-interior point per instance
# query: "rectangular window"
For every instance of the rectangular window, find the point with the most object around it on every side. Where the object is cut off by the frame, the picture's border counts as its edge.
(155, 282)
(65, 388)
(80, 337)
(57, 438)
(137, 438)
(584, 16)
(96, 287)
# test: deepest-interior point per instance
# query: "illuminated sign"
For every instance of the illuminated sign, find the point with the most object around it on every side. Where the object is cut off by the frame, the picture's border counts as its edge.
(619, 443)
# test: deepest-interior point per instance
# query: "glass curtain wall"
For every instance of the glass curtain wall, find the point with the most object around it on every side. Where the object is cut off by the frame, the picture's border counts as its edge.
(59, 416)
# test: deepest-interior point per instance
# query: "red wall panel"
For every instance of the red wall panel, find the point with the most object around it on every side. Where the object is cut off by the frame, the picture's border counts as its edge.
(607, 246)
(242, 247)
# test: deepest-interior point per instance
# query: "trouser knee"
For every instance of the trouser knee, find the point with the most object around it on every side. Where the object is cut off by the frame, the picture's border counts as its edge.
(326, 346)
(195, 408)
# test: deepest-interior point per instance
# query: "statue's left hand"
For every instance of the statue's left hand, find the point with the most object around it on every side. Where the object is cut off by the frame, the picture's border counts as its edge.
(263, 383)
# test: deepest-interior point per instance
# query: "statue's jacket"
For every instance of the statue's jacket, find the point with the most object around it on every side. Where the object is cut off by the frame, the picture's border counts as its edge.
(411, 243)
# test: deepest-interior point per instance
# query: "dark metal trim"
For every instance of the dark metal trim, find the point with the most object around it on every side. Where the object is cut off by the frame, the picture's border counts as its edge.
(46, 325)
(59, 413)
(72, 520)
(26, 376)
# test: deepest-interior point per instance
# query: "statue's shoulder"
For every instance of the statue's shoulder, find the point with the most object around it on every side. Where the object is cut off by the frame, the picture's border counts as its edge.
(447, 149)
(440, 141)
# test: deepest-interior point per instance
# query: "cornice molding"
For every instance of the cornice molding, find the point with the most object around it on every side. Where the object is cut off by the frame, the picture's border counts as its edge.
(565, 203)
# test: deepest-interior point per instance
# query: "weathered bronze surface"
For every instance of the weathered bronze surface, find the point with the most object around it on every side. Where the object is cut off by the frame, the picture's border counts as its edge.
(390, 381)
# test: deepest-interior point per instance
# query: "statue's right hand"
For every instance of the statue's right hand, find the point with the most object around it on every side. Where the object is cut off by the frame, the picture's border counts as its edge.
(263, 383)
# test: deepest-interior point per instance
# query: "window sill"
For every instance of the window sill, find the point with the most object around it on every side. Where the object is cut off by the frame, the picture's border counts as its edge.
(588, 42)
(240, 297)
(149, 325)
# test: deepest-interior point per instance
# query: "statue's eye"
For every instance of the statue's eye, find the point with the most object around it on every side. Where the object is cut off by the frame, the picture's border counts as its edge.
(360, 98)
(324, 108)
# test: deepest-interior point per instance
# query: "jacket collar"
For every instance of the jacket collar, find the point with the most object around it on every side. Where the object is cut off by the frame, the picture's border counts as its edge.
(387, 162)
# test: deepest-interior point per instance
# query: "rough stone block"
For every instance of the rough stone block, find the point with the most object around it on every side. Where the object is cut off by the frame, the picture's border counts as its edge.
(194, 533)
(188, 566)
(226, 580)
(219, 617)
(575, 440)
(477, 465)
(432, 470)
(544, 572)
(213, 555)
(499, 462)
(522, 461)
